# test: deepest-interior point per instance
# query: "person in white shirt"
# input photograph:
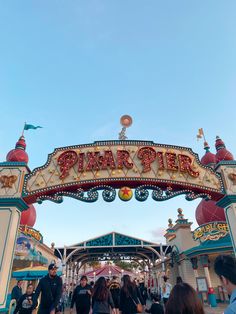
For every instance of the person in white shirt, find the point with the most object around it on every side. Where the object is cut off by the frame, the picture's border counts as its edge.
(165, 289)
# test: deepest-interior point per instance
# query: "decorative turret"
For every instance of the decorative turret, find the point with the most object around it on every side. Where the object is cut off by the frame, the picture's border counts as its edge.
(18, 154)
(209, 159)
(181, 221)
(170, 231)
(179, 234)
(170, 223)
(208, 211)
(222, 152)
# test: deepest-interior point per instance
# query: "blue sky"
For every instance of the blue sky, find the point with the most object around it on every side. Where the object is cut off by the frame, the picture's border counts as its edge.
(75, 67)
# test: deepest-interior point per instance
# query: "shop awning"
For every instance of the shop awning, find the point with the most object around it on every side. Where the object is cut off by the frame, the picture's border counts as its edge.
(208, 247)
(32, 273)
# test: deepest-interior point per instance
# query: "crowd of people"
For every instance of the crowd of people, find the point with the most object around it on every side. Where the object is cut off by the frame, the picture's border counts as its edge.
(125, 297)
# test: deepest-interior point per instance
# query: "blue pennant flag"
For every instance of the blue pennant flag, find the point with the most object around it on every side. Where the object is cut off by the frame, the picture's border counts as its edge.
(31, 127)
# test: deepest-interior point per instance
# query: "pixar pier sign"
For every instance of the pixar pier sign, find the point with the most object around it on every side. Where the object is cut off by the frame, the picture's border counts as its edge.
(75, 170)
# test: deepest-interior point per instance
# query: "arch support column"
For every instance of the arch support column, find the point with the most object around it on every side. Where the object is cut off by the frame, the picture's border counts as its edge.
(11, 206)
(227, 170)
(211, 292)
(229, 205)
(194, 262)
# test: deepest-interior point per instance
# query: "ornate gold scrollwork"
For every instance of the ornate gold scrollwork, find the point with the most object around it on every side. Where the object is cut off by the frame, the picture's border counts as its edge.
(232, 177)
(8, 181)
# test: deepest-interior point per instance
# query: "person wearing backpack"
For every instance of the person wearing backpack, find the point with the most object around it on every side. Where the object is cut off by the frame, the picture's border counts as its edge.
(114, 288)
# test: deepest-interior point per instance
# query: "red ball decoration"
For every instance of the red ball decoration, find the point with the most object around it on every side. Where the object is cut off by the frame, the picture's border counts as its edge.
(28, 217)
(222, 153)
(208, 159)
(208, 211)
(18, 154)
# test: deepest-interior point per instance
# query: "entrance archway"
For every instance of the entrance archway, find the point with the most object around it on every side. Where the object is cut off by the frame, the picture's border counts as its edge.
(81, 171)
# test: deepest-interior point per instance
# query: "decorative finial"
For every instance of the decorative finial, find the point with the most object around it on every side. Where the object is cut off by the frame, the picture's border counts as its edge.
(180, 213)
(126, 122)
(170, 221)
(52, 245)
(206, 146)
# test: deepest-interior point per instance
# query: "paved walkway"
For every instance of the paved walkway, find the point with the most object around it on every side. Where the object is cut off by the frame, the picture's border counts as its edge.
(215, 310)
(207, 308)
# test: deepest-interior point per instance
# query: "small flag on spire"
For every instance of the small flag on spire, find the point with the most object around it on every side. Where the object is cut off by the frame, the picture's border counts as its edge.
(31, 127)
(200, 134)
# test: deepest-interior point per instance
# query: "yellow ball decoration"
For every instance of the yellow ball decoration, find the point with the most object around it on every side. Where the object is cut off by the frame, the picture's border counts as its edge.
(125, 193)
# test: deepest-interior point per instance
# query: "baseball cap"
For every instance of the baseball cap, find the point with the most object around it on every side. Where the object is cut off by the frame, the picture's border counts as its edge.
(52, 266)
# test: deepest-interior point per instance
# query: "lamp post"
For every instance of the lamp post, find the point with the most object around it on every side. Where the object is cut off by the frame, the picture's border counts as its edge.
(110, 274)
(94, 276)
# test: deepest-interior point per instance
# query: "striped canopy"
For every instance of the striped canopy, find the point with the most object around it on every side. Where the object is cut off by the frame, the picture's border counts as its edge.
(107, 271)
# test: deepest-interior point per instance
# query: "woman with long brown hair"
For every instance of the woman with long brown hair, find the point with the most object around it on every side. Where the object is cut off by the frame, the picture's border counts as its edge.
(183, 300)
(101, 299)
(129, 297)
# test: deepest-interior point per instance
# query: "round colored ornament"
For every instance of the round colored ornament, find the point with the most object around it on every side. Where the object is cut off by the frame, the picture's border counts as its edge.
(125, 193)
(28, 217)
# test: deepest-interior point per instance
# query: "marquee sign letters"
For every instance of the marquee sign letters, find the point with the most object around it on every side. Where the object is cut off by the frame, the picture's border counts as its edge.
(80, 171)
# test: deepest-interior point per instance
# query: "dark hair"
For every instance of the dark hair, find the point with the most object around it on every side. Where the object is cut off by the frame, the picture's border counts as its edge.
(156, 297)
(225, 265)
(183, 300)
(84, 278)
(100, 292)
(128, 286)
(30, 285)
(18, 281)
(165, 278)
(179, 279)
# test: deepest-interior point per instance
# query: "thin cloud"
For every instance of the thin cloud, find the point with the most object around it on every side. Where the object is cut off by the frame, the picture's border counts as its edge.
(107, 131)
(158, 234)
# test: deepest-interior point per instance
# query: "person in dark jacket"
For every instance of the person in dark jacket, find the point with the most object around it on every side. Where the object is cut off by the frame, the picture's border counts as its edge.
(25, 303)
(50, 288)
(102, 300)
(114, 288)
(129, 296)
(82, 297)
(143, 292)
(179, 280)
(17, 291)
(156, 307)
